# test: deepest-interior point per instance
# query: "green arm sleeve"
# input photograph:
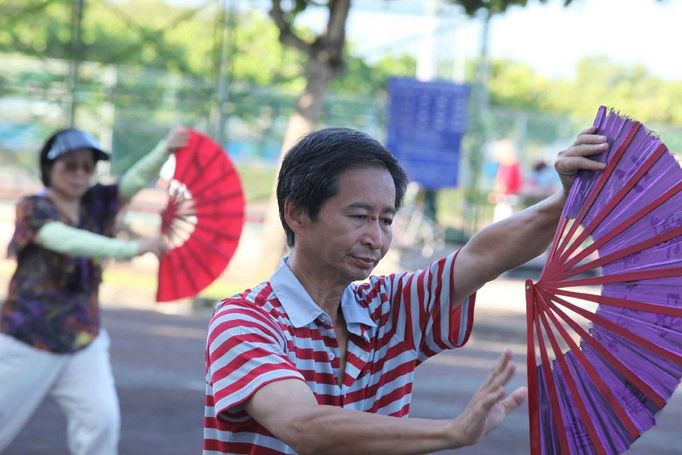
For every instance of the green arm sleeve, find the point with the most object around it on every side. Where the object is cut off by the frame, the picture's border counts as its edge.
(59, 237)
(144, 171)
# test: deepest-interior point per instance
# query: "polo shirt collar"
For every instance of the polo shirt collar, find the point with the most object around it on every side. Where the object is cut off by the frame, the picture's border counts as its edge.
(301, 308)
(353, 312)
(294, 298)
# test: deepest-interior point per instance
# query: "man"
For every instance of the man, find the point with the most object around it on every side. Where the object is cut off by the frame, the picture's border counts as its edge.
(313, 362)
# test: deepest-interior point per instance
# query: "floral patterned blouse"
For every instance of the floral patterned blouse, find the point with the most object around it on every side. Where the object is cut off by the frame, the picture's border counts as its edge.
(52, 302)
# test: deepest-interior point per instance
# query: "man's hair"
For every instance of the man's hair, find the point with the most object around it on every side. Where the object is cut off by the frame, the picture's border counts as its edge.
(310, 169)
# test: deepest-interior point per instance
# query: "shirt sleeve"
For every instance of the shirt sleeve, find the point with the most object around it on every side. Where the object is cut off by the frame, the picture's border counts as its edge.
(245, 350)
(32, 213)
(59, 237)
(423, 310)
(144, 171)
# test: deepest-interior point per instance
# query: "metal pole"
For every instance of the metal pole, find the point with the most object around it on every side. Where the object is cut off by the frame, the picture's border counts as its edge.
(220, 76)
(426, 59)
(426, 71)
(227, 47)
(76, 56)
(479, 115)
(484, 65)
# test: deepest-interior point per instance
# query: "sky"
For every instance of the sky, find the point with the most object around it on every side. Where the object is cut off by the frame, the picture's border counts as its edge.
(548, 37)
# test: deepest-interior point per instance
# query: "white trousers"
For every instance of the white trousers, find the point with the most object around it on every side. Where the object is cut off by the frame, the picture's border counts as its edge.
(81, 383)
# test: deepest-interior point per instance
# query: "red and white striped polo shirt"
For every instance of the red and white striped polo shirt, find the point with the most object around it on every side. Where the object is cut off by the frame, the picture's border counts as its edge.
(275, 331)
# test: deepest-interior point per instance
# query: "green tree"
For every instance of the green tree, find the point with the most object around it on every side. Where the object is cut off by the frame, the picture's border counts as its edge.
(325, 62)
(473, 7)
(112, 32)
(361, 78)
(516, 86)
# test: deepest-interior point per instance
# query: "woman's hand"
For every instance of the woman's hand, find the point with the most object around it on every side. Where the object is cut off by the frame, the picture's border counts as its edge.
(177, 138)
(156, 245)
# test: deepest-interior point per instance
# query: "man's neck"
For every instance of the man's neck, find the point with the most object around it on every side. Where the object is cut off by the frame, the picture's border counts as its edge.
(326, 293)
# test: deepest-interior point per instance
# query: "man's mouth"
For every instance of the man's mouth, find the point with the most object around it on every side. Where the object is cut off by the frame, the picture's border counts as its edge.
(366, 261)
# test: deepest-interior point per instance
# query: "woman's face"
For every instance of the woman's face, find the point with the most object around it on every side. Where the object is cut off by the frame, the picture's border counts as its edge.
(71, 173)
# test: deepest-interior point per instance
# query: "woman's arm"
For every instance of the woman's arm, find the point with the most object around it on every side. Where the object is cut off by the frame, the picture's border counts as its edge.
(59, 237)
(147, 168)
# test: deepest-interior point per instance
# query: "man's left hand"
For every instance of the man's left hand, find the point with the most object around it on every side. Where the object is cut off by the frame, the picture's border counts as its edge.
(576, 157)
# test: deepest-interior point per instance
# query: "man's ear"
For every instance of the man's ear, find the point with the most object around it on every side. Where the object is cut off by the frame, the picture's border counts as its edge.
(296, 217)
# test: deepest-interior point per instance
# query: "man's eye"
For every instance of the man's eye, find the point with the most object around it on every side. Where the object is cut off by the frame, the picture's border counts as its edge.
(387, 221)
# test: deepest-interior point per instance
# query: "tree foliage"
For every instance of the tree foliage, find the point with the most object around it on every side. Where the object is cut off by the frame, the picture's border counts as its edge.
(598, 80)
(150, 37)
(127, 32)
(472, 7)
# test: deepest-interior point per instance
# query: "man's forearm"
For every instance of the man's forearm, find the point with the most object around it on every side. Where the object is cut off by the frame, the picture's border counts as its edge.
(521, 237)
(334, 430)
(290, 411)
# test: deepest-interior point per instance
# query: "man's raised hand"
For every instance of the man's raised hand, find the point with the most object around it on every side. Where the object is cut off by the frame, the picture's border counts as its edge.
(490, 404)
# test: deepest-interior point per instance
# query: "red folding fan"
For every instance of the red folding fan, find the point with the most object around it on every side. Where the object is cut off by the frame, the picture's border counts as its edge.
(605, 317)
(202, 221)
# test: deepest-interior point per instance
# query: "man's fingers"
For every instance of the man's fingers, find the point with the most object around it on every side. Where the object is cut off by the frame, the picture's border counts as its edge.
(502, 362)
(489, 400)
(590, 139)
(585, 149)
(503, 377)
(515, 399)
(572, 165)
(589, 130)
(492, 389)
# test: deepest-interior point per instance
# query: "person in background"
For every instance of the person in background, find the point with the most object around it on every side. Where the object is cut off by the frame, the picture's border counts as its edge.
(508, 181)
(321, 358)
(541, 183)
(51, 339)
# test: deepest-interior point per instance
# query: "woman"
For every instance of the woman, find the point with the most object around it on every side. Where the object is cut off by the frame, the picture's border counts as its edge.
(51, 341)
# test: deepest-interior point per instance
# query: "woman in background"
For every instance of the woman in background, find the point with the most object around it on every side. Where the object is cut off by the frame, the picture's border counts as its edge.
(51, 341)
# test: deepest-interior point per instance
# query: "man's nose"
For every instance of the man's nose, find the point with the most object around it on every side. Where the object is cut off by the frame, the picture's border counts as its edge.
(374, 234)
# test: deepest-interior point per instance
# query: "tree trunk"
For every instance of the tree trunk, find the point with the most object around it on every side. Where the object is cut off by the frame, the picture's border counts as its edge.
(304, 120)
(325, 61)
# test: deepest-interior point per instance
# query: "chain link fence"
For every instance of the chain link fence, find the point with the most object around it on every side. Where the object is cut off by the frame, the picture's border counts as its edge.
(130, 110)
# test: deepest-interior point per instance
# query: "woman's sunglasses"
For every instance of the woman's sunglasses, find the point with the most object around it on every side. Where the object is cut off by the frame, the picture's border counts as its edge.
(73, 166)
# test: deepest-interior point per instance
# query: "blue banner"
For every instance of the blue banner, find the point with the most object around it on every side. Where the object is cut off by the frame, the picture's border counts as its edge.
(426, 123)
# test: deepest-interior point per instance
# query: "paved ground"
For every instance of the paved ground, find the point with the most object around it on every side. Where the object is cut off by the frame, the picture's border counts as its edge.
(158, 364)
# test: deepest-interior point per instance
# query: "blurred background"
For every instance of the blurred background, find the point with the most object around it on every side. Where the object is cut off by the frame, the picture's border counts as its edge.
(258, 74)
(128, 70)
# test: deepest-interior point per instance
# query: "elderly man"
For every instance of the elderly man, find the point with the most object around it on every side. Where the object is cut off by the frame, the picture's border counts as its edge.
(316, 360)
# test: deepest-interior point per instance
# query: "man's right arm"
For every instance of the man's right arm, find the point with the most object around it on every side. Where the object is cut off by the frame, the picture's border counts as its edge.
(289, 410)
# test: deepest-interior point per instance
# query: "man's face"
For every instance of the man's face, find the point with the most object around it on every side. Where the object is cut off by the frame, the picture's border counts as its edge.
(353, 229)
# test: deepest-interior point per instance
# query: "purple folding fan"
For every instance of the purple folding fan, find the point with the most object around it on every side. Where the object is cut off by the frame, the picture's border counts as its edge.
(608, 303)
